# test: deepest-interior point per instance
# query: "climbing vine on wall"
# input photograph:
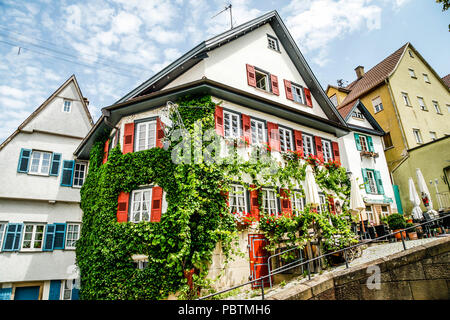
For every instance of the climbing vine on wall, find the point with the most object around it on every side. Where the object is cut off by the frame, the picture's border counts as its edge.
(197, 217)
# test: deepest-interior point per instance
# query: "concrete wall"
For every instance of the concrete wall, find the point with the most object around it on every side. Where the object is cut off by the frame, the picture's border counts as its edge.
(419, 273)
(431, 159)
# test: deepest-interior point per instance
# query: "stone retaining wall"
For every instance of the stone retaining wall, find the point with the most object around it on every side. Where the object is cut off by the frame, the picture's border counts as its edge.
(419, 273)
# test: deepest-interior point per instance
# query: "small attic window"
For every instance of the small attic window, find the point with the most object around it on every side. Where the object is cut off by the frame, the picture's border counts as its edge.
(357, 114)
(67, 106)
(272, 43)
(410, 54)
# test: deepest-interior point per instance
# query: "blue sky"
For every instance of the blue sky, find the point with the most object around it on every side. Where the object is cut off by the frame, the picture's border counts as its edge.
(114, 45)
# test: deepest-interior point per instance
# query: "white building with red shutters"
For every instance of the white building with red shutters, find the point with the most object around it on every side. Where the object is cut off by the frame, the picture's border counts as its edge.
(265, 92)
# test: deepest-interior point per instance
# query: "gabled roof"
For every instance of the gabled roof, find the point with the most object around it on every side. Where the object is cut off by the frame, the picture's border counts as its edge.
(446, 80)
(192, 57)
(45, 103)
(359, 105)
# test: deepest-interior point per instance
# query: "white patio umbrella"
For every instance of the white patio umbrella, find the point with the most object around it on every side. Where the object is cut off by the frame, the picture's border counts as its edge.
(311, 189)
(414, 198)
(357, 204)
(423, 188)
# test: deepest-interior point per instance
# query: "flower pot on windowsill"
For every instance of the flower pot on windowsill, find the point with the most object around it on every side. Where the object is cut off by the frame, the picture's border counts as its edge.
(369, 154)
(412, 235)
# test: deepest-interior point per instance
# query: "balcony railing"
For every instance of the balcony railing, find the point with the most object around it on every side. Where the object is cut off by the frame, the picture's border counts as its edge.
(443, 199)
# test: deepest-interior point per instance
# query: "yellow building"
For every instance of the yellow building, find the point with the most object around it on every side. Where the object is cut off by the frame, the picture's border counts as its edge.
(409, 100)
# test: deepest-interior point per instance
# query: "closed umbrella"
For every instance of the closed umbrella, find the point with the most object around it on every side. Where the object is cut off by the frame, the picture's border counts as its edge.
(356, 200)
(311, 189)
(414, 198)
(424, 190)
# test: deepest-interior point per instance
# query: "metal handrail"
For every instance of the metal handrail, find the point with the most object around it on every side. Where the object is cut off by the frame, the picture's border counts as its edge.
(279, 270)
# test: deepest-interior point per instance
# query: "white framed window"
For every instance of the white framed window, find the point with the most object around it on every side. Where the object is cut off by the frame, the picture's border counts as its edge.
(262, 80)
(421, 103)
(308, 145)
(370, 214)
(285, 139)
(73, 234)
(66, 292)
(406, 99)
(298, 202)
(145, 135)
(371, 181)
(269, 201)
(327, 151)
(2, 232)
(377, 104)
(297, 93)
(448, 108)
(33, 236)
(363, 142)
(79, 173)
(237, 199)
(258, 131)
(417, 135)
(40, 162)
(334, 100)
(67, 106)
(272, 43)
(357, 114)
(140, 205)
(384, 211)
(436, 107)
(425, 78)
(323, 203)
(412, 73)
(433, 135)
(141, 264)
(231, 124)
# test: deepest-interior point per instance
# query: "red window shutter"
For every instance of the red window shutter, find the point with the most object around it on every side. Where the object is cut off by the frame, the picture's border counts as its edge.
(246, 128)
(286, 207)
(218, 117)
(298, 142)
(274, 136)
(159, 133)
(128, 138)
(105, 152)
(319, 150)
(332, 206)
(254, 204)
(288, 90)
(335, 147)
(157, 195)
(251, 75)
(308, 97)
(275, 87)
(122, 206)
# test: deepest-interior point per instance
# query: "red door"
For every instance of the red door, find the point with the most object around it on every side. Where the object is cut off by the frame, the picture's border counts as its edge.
(258, 259)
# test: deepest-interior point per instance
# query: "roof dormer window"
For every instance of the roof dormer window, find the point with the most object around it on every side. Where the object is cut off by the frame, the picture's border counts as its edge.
(272, 43)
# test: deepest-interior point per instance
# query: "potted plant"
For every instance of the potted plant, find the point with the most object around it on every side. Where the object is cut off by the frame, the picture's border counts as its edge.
(396, 222)
(412, 233)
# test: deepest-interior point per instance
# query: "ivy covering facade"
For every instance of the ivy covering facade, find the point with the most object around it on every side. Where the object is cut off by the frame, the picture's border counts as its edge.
(197, 216)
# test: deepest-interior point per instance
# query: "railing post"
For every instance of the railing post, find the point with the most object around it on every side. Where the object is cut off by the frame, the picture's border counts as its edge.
(403, 240)
(345, 256)
(309, 272)
(262, 289)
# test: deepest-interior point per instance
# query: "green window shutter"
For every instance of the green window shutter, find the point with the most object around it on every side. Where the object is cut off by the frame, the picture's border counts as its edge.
(358, 143)
(366, 180)
(379, 182)
(55, 290)
(13, 235)
(5, 293)
(56, 162)
(24, 160)
(370, 143)
(67, 173)
(49, 238)
(60, 236)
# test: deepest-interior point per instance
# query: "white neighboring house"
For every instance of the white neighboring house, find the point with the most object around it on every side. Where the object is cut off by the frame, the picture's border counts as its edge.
(364, 157)
(40, 215)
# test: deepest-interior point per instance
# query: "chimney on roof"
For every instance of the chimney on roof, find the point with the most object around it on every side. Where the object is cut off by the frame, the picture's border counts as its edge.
(86, 101)
(359, 71)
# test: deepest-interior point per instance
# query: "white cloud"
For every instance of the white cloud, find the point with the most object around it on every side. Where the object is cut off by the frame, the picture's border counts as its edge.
(126, 22)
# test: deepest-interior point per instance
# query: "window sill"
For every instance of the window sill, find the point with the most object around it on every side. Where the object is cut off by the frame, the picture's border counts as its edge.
(379, 111)
(273, 49)
(389, 148)
(265, 91)
(38, 174)
(424, 109)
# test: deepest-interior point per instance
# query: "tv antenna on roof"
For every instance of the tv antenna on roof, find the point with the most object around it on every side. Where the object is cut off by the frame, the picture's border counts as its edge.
(231, 14)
